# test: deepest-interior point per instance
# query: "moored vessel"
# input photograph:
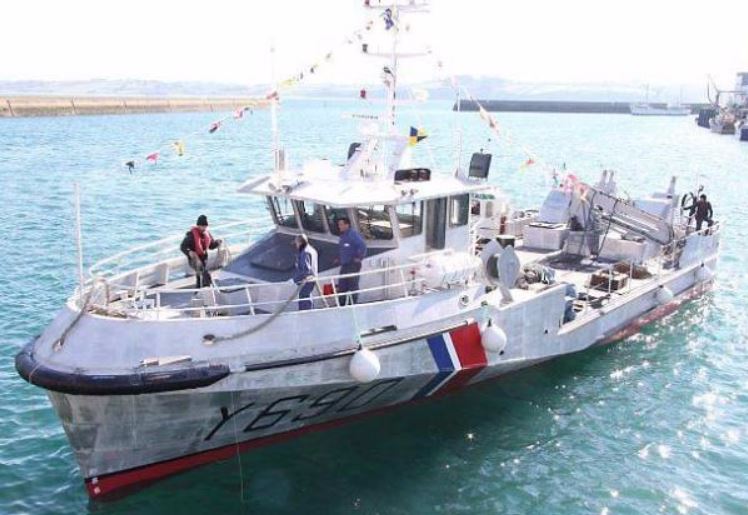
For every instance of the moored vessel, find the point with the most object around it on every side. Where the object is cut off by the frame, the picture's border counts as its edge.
(151, 375)
(659, 110)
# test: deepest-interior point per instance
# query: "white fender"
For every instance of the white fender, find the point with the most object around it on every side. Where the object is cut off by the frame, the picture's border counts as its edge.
(364, 365)
(703, 273)
(664, 295)
(493, 337)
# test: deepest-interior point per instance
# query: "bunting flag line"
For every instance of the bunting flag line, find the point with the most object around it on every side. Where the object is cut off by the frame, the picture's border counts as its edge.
(273, 95)
(531, 158)
(178, 147)
(415, 136)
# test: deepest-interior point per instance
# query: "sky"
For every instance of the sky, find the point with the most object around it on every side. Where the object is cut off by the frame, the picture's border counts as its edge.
(571, 41)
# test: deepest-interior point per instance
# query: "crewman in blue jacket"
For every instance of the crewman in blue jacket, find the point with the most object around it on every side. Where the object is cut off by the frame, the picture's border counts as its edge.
(351, 253)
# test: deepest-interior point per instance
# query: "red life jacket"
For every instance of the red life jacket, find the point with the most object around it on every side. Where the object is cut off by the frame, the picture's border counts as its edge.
(202, 242)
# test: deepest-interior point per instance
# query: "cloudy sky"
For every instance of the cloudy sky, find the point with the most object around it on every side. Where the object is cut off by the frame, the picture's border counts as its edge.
(654, 41)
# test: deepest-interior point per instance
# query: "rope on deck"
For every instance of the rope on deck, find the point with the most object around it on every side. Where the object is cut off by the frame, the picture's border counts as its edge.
(211, 339)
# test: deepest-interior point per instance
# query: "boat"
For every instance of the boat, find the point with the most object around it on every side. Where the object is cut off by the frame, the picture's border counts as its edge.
(730, 117)
(646, 109)
(151, 376)
(723, 122)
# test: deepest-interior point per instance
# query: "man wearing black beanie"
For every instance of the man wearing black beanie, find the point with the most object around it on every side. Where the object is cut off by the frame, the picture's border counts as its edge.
(195, 245)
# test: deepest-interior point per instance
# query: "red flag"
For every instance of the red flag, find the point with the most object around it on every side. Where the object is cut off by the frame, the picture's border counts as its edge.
(152, 157)
(214, 127)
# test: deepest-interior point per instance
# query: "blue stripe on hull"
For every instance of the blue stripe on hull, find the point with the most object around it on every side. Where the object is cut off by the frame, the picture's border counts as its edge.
(441, 355)
(439, 351)
(431, 385)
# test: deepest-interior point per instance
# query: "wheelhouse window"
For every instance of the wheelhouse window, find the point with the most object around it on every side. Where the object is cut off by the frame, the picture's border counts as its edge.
(333, 215)
(282, 209)
(312, 216)
(374, 222)
(410, 218)
(459, 210)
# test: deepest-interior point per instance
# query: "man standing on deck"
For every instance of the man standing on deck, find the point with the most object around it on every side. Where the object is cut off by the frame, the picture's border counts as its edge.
(702, 209)
(195, 245)
(351, 252)
(305, 271)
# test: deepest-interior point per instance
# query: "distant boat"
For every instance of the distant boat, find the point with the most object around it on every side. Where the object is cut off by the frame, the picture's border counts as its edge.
(648, 109)
(653, 110)
(723, 123)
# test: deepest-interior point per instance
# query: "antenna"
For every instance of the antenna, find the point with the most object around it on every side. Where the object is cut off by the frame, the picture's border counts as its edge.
(392, 84)
(458, 131)
(274, 113)
(391, 14)
(78, 237)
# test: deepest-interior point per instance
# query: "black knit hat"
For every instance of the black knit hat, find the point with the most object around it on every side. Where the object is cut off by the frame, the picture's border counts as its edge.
(202, 220)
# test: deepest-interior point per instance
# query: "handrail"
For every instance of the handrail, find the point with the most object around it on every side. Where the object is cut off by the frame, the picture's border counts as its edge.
(149, 299)
(666, 252)
(159, 247)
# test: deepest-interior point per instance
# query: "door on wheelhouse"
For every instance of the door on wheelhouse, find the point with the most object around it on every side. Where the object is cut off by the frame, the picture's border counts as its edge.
(436, 226)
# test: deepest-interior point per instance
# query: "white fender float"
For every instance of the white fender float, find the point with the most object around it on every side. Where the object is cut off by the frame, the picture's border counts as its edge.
(493, 337)
(664, 295)
(364, 365)
(703, 273)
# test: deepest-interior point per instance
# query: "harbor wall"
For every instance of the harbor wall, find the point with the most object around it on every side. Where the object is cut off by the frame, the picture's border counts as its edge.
(556, 106)
(22, 106)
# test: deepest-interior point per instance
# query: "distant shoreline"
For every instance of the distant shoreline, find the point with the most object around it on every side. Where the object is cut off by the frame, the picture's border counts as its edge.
(18, 106)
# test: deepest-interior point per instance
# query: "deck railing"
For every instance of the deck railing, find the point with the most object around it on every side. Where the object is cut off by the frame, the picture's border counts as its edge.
(154, 252)
(135, 283)
(667, 255)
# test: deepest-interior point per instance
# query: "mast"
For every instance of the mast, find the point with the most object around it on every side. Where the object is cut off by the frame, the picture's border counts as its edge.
(78, 238)
(390, 13)
(274, 114)
(458, 131)
(392, 84)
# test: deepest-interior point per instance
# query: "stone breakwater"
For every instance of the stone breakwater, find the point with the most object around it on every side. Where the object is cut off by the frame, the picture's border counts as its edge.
(21, 106)
(557, 106)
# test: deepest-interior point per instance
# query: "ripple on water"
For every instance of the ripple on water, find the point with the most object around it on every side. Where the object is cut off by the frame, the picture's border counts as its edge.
(654, 423)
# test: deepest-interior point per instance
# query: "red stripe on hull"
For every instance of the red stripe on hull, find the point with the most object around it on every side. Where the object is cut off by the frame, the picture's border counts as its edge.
(656, 314)
(467, 344)
(101, 487)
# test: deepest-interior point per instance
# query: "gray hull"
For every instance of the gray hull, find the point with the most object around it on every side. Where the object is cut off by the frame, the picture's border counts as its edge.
(124, 440)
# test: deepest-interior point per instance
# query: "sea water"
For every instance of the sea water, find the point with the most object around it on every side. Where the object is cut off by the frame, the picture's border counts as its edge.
(654, 423)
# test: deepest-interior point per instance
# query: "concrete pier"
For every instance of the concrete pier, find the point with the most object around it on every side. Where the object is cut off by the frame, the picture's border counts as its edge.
(21, 106)
(555, 106)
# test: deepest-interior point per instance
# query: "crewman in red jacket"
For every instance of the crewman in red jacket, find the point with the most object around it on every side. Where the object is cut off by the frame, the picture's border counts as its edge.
(195, 245)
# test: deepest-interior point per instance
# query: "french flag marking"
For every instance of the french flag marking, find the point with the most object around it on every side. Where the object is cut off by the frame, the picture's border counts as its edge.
(459, 355)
